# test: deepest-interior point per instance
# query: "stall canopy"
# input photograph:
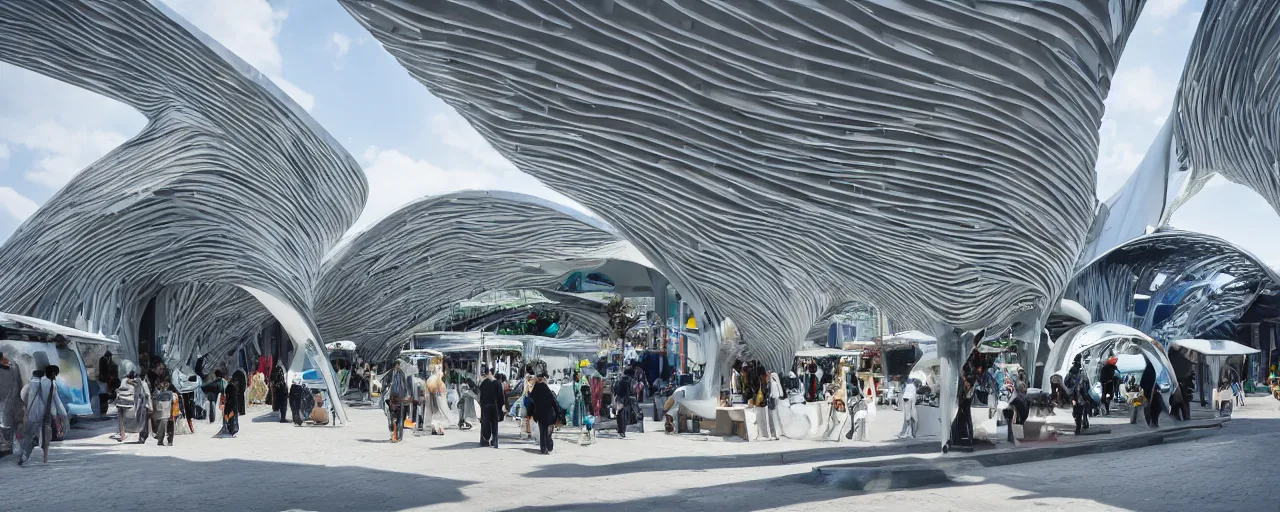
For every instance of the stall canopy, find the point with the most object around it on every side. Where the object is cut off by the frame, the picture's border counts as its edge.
(467, 341)
(48, 330)
(541, 347)
(908, 339)
(1216, 347)
(1215, 353)
(528, 345)
(826, 352)
(341, 345)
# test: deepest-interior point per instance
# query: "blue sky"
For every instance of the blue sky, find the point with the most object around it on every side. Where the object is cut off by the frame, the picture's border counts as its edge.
(411, 145)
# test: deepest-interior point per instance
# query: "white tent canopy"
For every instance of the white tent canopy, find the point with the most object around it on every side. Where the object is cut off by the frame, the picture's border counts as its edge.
(1216, 347)
(56, 329)
(909, 337)
(1215, 353)
(341, 345)
(826, 352)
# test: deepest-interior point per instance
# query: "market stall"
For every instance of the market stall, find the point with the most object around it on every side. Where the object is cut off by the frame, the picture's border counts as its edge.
(1216, 354)
(32, 343)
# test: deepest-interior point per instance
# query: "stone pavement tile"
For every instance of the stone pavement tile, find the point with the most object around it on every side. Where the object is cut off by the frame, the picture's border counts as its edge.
(271, 466)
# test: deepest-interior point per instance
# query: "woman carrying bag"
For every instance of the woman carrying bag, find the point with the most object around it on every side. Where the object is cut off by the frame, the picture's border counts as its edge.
(46, 415)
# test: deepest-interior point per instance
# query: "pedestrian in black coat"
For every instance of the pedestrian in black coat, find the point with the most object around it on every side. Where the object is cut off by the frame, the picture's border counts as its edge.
(545, 411)
(297, 394)
(492, 401)
(280, 391)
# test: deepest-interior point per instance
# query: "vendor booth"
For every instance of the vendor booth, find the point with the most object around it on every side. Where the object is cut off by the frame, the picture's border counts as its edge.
(32, 343)
(342, 356)
(1216, 354)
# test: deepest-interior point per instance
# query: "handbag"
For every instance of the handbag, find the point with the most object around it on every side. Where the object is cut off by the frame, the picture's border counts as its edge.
(59, 431)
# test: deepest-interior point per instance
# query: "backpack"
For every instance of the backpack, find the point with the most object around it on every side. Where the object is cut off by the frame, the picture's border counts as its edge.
(124, 396)
(162, 405)
(397, 389)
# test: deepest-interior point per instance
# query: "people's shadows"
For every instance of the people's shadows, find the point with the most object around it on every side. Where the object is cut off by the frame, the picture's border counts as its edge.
(733, 461)
(761, 494)
(474, 442)
(270, 417)
(235, 484)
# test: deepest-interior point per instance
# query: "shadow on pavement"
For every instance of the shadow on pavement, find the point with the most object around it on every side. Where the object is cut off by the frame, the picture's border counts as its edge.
(835, 452)
(163, 483)
(762, 494)
(263, 418)
(1218, 482)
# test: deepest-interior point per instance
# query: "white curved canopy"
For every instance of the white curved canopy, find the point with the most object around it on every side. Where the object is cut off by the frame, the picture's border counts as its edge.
(1216, 347)
(341, 345)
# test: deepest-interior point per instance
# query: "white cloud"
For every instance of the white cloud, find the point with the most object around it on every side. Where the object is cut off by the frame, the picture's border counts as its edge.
(65, 150)
(16, 205)
(305, 99)
(4, 155)
(1140, 90)
(395, 178)
(339, 44)
(1117, 157)
(64, 128)
(1193, 21)
(1163, 9)
(248, 28)
(456, 133)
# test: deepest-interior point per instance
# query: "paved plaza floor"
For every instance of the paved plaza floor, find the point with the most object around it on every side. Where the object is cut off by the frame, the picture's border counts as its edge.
(274, 466)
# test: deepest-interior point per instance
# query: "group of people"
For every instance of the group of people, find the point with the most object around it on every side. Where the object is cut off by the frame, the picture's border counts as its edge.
(769, 391)
(31, 415)
(540, 406)
(411, 402)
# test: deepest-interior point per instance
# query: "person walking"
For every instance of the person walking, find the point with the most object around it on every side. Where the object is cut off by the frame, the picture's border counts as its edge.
(105, 365)
(162, 402)
(11, 407)
(280, 391)
(46, 415)
(909, 419)
(233, 403)
(297, 395)
(366, 384)
(212, 389)
(397, 396)
(1108, 378)
(622, 390)
(545, 411)
(127, 406)
(1151, 395)
(492, 400)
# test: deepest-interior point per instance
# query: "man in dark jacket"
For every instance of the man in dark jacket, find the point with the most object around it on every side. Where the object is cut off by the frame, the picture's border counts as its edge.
(105, 365)
(1155, 402)
(545, 410)
(297, 395)
(1109, 383)
(280, 391)
(492, 400)
(622, 401)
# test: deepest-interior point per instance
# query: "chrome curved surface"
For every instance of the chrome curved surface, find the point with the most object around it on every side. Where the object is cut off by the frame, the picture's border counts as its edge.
(408, 269)
(1228, 105)
(1098, 341)
(229, 184)
(1208, 282)
(1225, 121)
(775, 159)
